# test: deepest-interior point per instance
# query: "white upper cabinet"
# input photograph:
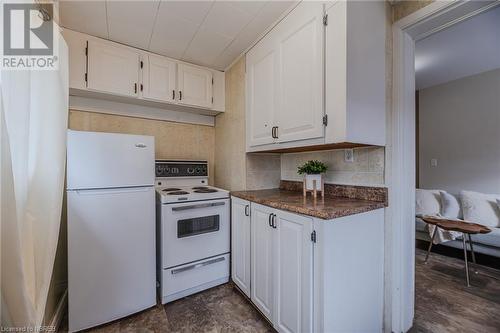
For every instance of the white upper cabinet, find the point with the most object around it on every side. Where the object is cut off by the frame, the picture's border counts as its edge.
(300, 46)
(112, 69)
(195, 85)
(318, 78)
(158, 78)
(284, 74)
(355, 72)
(261, 85)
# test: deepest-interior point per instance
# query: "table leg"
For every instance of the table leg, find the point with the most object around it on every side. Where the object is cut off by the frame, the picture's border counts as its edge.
(465, 258)
(430, 245)
(472, 252)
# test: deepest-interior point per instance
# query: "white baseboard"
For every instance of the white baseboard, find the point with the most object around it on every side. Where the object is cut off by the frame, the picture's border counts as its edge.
(59, 313)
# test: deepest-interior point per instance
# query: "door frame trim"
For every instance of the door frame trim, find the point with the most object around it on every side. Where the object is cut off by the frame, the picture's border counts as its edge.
(400, 154)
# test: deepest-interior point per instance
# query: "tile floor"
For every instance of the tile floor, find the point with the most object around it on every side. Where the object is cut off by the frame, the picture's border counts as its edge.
(220, 309)
(443, 304)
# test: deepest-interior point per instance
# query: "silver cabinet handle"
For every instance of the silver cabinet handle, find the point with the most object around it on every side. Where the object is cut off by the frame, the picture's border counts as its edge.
(194, 266)
(205, 205)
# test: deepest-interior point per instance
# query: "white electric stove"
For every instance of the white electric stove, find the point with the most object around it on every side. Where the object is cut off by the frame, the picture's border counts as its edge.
(192, 229)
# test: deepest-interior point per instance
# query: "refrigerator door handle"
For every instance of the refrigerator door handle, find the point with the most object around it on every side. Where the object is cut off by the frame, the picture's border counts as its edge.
(113, 190)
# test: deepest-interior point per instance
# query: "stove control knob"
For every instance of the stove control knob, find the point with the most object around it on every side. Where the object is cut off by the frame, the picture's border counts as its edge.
(198, 170)
(190, 170)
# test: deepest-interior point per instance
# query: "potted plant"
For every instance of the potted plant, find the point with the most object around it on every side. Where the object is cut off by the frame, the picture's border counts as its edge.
(313, 171)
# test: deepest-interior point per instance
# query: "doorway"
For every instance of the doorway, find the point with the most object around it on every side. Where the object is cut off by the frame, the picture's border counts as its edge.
(401, 170)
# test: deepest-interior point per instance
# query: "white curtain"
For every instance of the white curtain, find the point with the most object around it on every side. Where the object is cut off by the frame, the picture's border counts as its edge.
(34, 116)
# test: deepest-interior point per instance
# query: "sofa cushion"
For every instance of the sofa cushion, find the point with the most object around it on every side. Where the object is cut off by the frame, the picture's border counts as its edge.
(427, 202)
(450, 206)
(491, 239)
(481, 208)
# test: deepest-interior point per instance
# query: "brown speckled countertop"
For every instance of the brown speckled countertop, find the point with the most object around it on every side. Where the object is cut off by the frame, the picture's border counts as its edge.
(330, 207)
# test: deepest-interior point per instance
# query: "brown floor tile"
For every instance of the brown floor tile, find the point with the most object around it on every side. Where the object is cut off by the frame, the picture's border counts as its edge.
(443, 303)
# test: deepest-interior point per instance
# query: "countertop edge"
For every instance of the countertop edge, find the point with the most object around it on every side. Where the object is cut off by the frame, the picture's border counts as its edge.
(374, 205)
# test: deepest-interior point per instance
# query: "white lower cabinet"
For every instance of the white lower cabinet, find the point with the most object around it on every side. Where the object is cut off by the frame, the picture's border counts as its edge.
(240, 244)
(306, 274)
(293, 265)
(281, 253)
(262, 253)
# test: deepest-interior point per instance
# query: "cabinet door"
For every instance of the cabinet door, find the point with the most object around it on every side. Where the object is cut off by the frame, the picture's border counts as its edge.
(261, 85)
(240, 244)
(300, 46)
(195, 85)
(112, 69)
(158, 78)
(294, 270)
(262, 260)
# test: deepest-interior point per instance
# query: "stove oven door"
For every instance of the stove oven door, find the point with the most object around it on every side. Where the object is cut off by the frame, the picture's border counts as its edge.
(193, 231)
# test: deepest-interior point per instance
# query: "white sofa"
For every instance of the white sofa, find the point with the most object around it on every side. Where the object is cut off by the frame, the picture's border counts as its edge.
(469, 206)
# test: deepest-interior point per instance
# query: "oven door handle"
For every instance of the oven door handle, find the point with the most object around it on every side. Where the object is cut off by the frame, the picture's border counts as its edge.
(203, 205)
(201, 264)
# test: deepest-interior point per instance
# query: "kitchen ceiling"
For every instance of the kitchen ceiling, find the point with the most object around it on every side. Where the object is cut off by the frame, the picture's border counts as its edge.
(209, 33)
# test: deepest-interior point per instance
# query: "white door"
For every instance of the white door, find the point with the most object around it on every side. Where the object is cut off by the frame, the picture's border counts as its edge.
(293, 273)
(240, 244)
(195, 86)
(111, 254)
(262, 253)
(112, 69)
(158, 78)
(300, 43)
(261, 90)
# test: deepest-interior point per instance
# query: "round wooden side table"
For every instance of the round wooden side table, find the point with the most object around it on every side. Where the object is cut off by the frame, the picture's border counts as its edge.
(466, 228)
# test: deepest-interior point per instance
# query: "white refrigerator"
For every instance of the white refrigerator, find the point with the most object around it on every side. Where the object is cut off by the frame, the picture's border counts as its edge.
(111, 226)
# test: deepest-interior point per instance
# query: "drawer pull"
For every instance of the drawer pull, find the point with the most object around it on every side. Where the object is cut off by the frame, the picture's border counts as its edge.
(194, 266)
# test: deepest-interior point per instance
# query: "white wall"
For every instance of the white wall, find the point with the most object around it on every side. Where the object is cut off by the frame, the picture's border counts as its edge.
(460, 127)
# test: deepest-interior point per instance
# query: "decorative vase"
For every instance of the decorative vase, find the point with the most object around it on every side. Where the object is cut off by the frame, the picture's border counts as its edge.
(309, 182)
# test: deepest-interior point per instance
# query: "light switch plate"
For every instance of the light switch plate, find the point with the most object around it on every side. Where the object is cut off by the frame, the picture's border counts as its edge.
(349, 155)
(434, 162)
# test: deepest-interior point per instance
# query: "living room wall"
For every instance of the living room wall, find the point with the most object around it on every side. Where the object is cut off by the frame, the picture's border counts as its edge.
(459, 126)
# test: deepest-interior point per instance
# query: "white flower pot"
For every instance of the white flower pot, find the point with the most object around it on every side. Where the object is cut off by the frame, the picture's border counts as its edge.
(310, 182)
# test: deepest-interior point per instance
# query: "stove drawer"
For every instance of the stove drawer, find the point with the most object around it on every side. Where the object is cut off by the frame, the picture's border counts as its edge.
(183, 280)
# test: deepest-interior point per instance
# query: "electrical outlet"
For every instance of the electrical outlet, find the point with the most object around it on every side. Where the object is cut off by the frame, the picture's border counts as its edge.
(349, 155)
(434, 162)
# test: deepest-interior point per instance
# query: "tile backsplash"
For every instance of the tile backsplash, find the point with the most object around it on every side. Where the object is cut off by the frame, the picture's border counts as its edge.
(366, 169)
(263, 171)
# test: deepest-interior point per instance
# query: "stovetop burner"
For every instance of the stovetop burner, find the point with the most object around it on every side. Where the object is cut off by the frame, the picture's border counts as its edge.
(177, 193)
(200, 188)
(206, 190)
(170, 189)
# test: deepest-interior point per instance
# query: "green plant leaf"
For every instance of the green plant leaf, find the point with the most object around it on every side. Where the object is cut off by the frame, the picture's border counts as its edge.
(312, 167)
